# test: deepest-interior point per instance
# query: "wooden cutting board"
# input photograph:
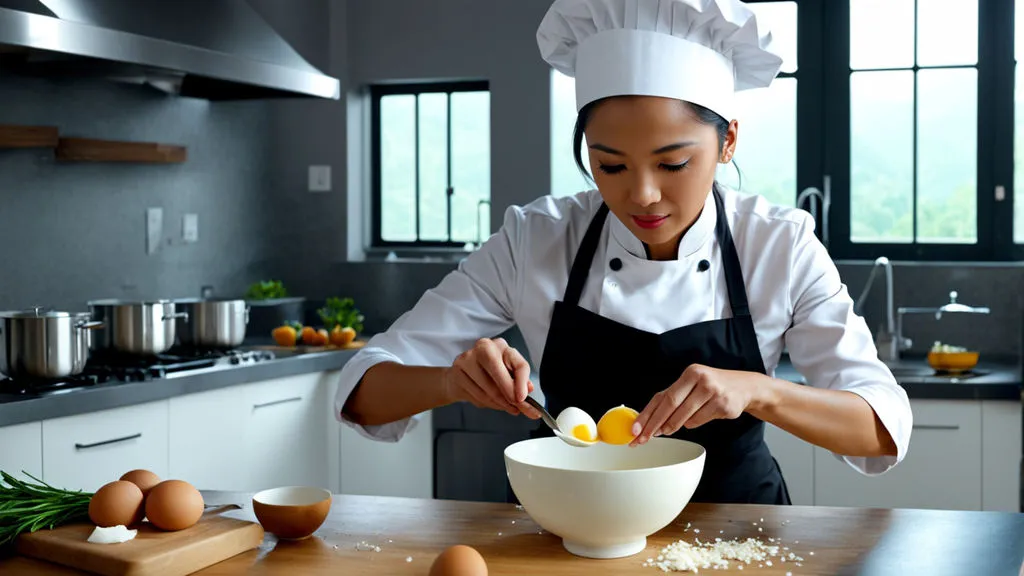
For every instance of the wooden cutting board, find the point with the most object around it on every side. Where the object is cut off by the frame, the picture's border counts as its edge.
(152, 553)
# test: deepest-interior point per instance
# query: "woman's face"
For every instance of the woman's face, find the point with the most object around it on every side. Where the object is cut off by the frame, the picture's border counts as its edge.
(654, 163)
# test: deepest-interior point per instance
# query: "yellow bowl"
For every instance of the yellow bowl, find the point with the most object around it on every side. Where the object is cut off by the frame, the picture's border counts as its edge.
(952, 361)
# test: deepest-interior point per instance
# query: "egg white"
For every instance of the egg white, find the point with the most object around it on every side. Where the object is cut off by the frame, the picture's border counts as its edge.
(572, 417)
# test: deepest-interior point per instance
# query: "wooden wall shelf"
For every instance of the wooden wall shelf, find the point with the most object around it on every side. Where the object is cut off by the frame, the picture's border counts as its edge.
(28, 136)
(87, 150)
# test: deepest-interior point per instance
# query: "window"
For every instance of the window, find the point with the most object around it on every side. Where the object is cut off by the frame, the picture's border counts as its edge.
(913, 122)
(915, 145)
(431, 164)
(766, 154)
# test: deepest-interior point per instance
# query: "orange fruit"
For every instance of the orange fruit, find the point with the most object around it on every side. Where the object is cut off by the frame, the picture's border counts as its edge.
(285, 335)
(308, 335)
(616, 426)
(342, 337)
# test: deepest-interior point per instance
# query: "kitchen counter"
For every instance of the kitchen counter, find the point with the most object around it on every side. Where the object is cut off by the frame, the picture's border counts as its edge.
(996, 379)
(411, 532)
(16, 409)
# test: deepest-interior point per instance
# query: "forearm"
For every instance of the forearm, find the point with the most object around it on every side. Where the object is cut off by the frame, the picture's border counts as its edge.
(389, 392)
(836, 420)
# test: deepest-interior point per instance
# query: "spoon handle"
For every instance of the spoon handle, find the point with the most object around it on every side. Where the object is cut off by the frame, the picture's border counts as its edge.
(543, 413)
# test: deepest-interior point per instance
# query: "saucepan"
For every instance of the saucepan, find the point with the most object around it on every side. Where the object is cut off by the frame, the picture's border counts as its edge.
(44, 344)
(141, 328)
(212, 323)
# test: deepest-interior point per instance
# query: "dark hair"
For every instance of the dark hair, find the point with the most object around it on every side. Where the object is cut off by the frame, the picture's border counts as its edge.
(704, 115)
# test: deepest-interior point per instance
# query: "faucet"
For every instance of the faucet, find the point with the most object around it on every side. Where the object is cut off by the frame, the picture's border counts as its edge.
(890, 342)
(825, 198)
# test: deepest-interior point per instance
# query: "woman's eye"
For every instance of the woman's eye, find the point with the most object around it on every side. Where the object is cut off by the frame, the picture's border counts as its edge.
(674, 167)
(612, 169)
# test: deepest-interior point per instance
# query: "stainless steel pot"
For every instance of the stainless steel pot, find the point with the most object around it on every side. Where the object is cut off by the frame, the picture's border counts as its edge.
(44, 344)
(143, 328)
(212, 323)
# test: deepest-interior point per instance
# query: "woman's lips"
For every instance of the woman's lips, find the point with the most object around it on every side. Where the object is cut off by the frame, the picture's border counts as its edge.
(649, 221)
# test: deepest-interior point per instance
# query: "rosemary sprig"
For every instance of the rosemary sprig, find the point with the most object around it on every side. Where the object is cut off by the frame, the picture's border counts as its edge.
(27, 507)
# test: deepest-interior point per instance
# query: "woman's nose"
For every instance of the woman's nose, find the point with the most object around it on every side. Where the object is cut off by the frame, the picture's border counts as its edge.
(645, 190)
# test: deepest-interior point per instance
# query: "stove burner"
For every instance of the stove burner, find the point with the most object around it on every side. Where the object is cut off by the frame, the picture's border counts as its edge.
(118, 367)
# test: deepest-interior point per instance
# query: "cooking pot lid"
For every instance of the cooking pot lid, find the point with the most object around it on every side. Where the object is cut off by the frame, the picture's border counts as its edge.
(36, 312)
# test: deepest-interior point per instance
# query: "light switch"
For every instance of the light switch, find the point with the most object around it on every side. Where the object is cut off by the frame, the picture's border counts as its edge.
(190, 228)
(319, 178)
(154, 228)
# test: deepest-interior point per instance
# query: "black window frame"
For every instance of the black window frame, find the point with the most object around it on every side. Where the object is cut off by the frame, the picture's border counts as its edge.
(996, 85)
(379, 91)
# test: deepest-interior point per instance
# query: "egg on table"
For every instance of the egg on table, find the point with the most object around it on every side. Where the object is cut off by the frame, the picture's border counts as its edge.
(459, 560)
(576, 423)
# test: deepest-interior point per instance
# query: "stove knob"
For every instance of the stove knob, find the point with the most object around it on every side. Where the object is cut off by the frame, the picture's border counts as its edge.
(235, 360)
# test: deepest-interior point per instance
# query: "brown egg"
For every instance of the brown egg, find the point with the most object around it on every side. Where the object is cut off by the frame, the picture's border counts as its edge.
(174, 505)
(459, 560)
(144, 479)
(118, 503)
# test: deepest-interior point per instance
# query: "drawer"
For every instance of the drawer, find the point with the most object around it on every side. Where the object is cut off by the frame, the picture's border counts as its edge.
(85, 451)
(21, 450)
(942, 469)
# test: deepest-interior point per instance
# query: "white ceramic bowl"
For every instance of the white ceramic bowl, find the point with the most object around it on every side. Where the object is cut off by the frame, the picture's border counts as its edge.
(604, 501)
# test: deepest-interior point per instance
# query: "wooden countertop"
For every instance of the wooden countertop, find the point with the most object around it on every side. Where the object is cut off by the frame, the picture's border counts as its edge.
(411, 532)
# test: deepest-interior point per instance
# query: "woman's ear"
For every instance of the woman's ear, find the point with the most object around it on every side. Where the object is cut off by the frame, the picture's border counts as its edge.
(729, 146)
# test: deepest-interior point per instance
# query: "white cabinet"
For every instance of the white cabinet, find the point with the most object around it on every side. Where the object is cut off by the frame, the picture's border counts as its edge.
(21, 450)
(85, 451)
(942, 468)
(206, 439)
(796, 459)
(375, 468)
(1001, 455)
(284, 443)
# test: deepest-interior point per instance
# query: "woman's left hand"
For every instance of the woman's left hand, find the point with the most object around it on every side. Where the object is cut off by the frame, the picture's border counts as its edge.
(700, 395)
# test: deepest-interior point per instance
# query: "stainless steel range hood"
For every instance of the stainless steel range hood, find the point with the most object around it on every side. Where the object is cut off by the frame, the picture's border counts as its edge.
(210, 49)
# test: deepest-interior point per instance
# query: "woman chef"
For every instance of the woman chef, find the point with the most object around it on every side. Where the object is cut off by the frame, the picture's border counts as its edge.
(660, 290)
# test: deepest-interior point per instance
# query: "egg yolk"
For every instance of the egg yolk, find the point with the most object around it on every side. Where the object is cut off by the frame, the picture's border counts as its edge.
(582, 432)
(616, 426)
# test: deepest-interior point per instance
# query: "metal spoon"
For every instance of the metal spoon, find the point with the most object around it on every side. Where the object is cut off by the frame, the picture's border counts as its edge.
(553, 424)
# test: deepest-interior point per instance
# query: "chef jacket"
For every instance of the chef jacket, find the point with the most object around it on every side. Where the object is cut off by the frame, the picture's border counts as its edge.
(797, 300)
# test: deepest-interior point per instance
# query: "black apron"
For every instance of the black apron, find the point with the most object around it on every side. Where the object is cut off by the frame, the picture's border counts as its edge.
(595, 363)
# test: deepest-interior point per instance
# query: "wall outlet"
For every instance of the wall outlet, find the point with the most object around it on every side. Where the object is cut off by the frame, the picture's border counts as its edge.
(154, 229)
(190, 228)
(319, 178)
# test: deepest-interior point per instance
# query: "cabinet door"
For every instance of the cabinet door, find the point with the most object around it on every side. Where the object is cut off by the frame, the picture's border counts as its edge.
(796, 459)
(21, 450)
(1001, 455)
(207, 434)
(85, 451)
(284, 442)
(942, 468)
(403, 468)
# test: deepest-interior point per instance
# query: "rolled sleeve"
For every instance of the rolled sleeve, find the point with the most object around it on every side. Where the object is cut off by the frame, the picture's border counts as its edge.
(832, 347)
(477, 300)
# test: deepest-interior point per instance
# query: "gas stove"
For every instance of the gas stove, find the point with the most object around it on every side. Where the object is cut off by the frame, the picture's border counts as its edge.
(104, 368)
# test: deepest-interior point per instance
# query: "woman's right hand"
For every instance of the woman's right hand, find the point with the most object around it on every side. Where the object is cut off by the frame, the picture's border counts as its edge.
(491, 374)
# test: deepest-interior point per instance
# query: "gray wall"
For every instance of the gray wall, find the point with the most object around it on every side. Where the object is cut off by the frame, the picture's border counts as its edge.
(75, 231)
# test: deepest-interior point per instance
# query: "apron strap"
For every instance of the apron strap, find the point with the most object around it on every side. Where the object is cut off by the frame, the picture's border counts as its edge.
(584, 257)
(730, 260)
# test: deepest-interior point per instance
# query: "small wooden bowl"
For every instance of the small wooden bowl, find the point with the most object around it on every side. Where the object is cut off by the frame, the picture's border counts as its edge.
(952, 362)
(292, 512)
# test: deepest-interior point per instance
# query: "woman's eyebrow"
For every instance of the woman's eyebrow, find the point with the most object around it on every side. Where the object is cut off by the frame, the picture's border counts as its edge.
(662, 150)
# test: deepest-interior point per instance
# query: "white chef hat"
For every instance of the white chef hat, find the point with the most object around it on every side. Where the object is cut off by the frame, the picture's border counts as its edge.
(701, 51)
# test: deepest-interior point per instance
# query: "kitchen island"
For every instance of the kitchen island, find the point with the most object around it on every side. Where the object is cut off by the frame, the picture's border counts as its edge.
(411, 532)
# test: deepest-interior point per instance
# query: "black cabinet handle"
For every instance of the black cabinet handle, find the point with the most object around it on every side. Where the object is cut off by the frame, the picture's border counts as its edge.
(105, 442)
(936, 426)
(276, 402)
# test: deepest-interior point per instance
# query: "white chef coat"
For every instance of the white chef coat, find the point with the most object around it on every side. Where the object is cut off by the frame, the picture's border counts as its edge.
(796, 296)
